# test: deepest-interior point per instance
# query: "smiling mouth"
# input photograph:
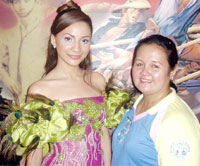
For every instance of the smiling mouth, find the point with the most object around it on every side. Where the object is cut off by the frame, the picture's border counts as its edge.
(75, 57)
(145, 80)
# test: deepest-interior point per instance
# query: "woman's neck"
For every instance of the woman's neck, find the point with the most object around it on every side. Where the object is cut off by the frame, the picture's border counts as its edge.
(151, 100)
(68, 72)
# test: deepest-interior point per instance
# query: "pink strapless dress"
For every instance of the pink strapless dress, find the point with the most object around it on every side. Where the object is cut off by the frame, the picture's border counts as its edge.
(88, 151)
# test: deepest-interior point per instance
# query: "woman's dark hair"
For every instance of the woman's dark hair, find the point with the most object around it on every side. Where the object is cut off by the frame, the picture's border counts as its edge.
(164, 42)
(67, 14)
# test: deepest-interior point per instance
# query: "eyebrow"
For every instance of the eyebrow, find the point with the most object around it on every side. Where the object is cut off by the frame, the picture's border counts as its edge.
(74, 36)
(154, 61)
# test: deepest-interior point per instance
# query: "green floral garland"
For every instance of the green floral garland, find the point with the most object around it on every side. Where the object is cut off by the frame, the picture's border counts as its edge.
(37, 122)
(115, 101)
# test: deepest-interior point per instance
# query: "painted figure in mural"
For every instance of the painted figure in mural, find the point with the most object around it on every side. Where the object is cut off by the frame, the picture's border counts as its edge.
(23, 46)
(175, 19)
(128, 25)
(179, 21)
(68, 79)
(160, 129)
(22, 57)
(125, 24)
(190, 56)
(190, 68)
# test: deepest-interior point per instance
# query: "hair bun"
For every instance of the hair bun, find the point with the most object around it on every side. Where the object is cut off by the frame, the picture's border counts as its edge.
(68, 6)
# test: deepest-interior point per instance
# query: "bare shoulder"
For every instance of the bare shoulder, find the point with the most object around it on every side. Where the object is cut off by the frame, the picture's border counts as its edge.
(98, 81)
(36, 87)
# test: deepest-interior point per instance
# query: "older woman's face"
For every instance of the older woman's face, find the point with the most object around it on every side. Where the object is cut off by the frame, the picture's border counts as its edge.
(151, 70)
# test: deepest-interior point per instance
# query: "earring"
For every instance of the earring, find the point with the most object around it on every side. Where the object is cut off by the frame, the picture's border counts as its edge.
(172, 76)
(54, 46)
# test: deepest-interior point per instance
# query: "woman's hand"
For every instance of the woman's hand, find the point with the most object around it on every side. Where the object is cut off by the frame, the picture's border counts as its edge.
(34, 158)
(106, 146)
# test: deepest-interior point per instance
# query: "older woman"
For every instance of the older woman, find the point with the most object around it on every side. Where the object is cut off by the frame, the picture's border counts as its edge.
(160, 129)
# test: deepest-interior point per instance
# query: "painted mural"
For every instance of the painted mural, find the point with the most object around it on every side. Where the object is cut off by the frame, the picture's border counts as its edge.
(118, 25)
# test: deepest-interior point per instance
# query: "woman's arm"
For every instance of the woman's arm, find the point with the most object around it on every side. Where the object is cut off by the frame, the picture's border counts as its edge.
(33, 159)
(106, 146)
(178, 140)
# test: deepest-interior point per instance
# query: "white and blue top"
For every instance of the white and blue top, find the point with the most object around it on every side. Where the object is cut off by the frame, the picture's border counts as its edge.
(166, 134)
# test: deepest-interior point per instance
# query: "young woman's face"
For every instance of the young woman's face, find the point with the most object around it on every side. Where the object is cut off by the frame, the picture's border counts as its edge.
(151, 70)
(73, 43)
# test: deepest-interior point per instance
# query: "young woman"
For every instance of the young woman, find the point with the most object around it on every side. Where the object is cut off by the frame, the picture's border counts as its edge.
(160, 129)
(69, 80)
(65, 118)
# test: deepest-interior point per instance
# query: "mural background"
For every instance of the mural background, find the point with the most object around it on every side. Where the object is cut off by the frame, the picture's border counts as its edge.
(118, 25)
